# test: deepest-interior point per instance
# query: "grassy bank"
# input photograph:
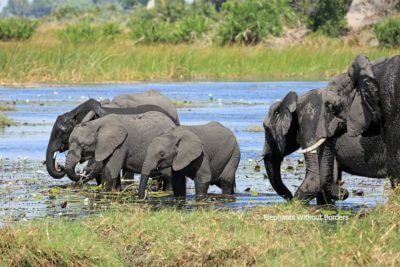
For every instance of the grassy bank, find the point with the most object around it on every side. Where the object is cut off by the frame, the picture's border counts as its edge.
(137, 236)
(45, 60)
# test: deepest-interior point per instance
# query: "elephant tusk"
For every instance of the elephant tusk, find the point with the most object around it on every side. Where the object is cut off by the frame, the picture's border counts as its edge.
(55, 155)
(313, 147)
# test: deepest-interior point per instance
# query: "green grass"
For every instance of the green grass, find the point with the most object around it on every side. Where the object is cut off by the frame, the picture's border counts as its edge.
(139, 236)
(44, 59)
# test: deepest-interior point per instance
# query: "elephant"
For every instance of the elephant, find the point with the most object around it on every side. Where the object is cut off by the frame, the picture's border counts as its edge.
(116, 142)
(91, 109)
(292, 124)
(208, 153)
(370, 107)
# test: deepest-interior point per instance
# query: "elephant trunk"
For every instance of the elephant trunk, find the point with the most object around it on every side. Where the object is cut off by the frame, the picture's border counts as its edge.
(70, 164)
(144, 179)
(51, 154)
(273, 169)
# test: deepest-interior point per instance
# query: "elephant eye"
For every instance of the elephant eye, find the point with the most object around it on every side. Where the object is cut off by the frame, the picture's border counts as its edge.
(162, 154)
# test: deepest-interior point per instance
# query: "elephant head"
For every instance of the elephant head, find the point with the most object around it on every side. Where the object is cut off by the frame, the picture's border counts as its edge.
(350, 103)
(280, 126)
(298, 122)
(176, 149)
(96, 139)
(61, 131)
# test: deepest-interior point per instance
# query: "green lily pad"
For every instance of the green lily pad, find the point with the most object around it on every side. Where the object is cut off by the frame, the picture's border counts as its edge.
(254, 194)
(158, 194)
(96, 187)
(54, 191)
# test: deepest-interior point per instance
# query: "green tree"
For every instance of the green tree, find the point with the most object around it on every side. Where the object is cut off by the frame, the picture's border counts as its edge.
(248, 22)
(40, 8)
(20, 8)
(129, 4)
(328, 17)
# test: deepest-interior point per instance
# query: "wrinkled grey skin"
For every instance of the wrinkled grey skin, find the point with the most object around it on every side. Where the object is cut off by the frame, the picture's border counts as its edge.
(209, 154)
(293, 123)
(371, 106)
(92, 109)
(116, 142)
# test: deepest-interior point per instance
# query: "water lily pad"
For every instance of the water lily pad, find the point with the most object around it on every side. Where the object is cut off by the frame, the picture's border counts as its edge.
(96, 187)
(254, 194)
(54, 191)
(158, 194)
(257, 168)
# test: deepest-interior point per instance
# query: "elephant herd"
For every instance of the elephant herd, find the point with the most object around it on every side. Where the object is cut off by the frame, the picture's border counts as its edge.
(141, 133)
(352, 125)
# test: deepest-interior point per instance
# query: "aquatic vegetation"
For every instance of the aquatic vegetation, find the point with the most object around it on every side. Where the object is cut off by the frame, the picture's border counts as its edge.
(4, 121)
(254, 129)
(182, 103)
(7, 107)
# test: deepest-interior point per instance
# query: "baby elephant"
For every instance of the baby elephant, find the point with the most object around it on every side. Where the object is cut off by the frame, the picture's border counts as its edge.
(209, 154)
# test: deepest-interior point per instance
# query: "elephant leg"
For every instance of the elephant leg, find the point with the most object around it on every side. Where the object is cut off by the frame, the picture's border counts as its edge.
(227, 177)
(166, 184)
(329, 183)
(343, 193)
(127, 174)
(111, 172)
(202, 178)
(178, 183)
(311, 186)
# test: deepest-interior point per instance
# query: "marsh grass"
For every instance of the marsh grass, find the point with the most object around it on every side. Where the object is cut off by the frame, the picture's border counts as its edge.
(45, 59)
(4, 121)
(141, 236)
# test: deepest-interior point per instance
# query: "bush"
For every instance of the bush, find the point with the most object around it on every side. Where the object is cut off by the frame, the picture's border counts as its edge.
(248, 22)
(84, 31)
(327, 17)
(16, 29)
(388, 32)
(172, 22)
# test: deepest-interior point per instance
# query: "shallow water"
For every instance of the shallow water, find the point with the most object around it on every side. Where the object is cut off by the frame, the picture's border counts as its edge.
(27, 191)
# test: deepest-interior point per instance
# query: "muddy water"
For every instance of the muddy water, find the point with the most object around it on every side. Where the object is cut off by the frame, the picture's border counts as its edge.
(27, 191)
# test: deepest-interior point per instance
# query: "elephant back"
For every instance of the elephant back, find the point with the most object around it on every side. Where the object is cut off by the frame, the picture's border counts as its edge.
(150, 97)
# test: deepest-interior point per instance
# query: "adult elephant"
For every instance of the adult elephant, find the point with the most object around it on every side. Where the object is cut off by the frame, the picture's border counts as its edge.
(293, 123)
(116, 142)
(370, 106)
(91, 109)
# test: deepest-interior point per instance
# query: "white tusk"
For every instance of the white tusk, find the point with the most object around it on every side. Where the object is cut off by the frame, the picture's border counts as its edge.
(313, 147)
(55, 155)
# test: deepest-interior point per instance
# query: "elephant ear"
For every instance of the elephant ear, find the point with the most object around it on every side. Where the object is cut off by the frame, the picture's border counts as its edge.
(365, 106)
(108, 139)
(282, 119)
(189, 148)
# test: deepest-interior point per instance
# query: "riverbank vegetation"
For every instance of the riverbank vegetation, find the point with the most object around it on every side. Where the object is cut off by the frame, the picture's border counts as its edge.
(136, 236)
(38, 61)
(92, 42)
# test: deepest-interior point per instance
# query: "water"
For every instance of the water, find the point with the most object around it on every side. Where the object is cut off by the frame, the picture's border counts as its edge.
(27, 191)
